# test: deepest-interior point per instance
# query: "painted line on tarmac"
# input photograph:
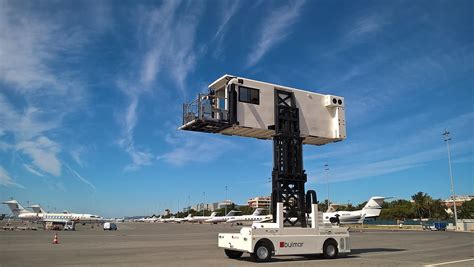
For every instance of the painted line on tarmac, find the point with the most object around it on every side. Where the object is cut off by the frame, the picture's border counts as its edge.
(448, 262)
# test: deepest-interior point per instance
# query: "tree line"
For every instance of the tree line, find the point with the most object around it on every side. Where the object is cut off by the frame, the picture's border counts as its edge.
(422, 206)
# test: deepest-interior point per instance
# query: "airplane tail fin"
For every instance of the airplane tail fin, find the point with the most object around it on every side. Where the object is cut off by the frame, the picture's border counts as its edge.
(373, 207)
(332, 208)
(15, 207)
(37, 209)
(258, 211)
(213, 214)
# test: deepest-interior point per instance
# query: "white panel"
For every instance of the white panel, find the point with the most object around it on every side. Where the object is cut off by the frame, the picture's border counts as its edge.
(321, 120)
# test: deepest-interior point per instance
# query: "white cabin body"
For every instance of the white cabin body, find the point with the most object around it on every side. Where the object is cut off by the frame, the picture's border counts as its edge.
(321, 117)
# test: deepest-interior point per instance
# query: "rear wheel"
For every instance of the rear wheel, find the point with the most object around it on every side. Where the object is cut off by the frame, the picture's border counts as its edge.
(233, 254)
(330, 249)
(262, 252)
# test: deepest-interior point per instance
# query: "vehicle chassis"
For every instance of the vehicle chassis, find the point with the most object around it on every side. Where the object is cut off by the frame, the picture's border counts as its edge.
(263, 240)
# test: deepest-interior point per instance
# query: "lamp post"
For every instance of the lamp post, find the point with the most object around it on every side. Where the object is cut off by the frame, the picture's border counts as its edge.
(225, 201)
(326, 168)
(447, 138)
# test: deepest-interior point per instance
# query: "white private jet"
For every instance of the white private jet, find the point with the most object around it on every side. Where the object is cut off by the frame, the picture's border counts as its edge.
(255, 217)
(37, 209)
(221, 219)
(201, 219)
(371, 210)
(61, 218)
(180, 220)
(152, 219)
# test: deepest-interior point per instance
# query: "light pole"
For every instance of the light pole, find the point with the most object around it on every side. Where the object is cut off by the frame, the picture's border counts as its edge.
(326, 168)
(447, 138)
(225, 201)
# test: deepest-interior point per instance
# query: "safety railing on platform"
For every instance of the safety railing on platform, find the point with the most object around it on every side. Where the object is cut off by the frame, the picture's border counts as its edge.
(205, 108)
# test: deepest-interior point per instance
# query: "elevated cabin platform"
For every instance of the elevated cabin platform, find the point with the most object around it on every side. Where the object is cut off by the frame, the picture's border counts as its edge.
(245, 107)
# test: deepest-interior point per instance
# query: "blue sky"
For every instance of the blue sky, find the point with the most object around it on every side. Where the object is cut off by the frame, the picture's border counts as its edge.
(91, 94)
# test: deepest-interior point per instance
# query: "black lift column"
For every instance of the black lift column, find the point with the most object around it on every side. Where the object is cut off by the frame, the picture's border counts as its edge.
(288, 176)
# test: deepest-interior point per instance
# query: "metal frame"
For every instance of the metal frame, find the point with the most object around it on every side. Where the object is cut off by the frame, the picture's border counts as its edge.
(288, 176)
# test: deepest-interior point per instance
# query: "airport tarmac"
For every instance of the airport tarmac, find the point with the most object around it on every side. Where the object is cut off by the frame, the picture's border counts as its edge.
(145, 244)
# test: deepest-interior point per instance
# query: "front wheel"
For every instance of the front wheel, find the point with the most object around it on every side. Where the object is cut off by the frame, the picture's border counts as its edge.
(262, 252)
(330, 249)
(233, 254)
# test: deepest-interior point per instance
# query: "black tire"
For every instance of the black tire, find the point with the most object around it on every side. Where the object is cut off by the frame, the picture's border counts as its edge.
(330, 250)
(233, 254)
(262, 252)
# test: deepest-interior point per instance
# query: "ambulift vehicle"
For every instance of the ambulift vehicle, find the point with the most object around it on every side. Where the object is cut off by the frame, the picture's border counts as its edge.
(290, 117)
(262, 240)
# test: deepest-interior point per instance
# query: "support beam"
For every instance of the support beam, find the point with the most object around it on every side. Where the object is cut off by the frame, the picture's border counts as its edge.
(288, 176)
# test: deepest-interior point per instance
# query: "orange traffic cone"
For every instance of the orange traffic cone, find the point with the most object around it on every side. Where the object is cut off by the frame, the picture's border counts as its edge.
(55, 239)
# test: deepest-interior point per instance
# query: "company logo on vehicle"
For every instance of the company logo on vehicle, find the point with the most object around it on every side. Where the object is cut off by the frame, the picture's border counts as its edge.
(291, 244)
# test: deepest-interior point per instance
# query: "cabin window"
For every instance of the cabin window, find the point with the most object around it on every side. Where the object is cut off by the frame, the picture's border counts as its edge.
(249, 95)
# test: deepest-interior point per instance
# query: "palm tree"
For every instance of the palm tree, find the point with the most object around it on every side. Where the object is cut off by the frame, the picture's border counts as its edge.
(422, 204)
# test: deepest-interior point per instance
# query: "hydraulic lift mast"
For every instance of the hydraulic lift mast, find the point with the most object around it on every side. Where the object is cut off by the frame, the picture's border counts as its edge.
(288, 176)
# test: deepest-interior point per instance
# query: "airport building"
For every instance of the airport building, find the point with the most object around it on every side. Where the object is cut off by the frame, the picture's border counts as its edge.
(260, 202)
(459, 202)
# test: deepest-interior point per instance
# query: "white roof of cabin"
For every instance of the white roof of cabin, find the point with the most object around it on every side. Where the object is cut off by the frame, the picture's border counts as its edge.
(220, 82)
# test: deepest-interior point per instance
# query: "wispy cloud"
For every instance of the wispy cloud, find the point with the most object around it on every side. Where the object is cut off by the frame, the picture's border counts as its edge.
(168, 36)
(126, 142)
(44, 153)
(382, 167)
(77, 155)
(82, 179)
(227, 11)
(167, 52)
(275, 28)
(35, 45)
(363, 27)
(194, 148)
(6, 180)
(32, 170)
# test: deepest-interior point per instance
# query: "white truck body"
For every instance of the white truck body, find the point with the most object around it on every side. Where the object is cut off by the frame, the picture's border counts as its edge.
(287, 240)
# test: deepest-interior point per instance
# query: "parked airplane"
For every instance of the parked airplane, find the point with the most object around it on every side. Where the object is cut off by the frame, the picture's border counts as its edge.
(371, 210)
(201, 219)
(151, 219)
(169, 220)
(180, 220)
(221, 219)
(255, 217)
(37, 209)
(61, 218)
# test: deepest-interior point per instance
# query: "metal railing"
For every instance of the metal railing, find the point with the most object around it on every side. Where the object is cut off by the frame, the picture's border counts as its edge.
(204, 108)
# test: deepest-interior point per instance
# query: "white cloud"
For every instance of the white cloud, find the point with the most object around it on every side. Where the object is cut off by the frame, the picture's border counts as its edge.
(44, 153)
(168, 37)
(363, 27)
(139, 158)
(32, 170)
(195, 148)
(36, 47)
(6, 180)
(81, 178)
(227, 12)
(30, 41)
(275, 28)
